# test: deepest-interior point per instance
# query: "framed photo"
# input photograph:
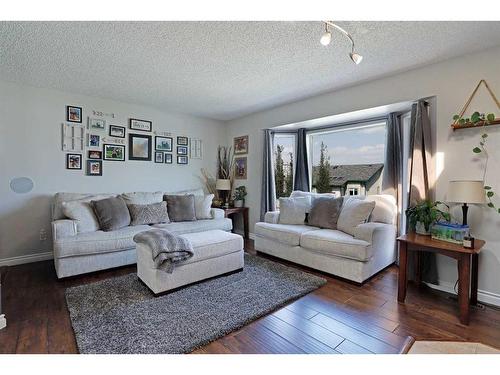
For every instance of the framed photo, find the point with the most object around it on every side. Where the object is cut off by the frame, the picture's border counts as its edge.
(117, 131)
(159, 158)
(93, 154)
(73, 161)
(114, 152)
(94, 140)
(73, 114)
(94, 168)
(240, 168)
(182, 150)
(196, 148)
(142, 125)
(163, 144)
(73, 137)
(182, 141)
(168, 158)
(98, 124)
(182, 159)
(139, 147)
(241, 145)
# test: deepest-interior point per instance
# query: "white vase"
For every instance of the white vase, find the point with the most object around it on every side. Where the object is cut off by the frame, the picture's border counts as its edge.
(238, 203)
(420, 229)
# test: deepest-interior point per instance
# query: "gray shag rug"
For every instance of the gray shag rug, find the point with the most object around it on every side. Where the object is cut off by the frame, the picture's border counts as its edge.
(121, 315)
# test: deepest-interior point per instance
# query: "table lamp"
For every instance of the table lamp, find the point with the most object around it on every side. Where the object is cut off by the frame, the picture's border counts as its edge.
(466, 192)
(224, 185)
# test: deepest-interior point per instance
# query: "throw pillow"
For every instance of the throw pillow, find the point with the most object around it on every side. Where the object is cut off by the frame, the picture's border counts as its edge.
(325, 212)
(111, 213)
(354, 212)
(140, 197)
(181, 207)
(155, 213)
(203, 206)
(293, 210)
(310, 196)
(81, 211)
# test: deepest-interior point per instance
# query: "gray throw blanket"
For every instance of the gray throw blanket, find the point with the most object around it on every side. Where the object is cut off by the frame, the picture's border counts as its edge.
(167, 248)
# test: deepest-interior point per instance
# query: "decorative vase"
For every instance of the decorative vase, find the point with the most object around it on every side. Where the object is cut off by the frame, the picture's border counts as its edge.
(420, 229)
(239, 203)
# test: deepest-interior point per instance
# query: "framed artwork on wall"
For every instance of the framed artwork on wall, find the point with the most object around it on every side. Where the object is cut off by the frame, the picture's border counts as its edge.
(94, 154)
(94, 168)
(182, 141)
(182, 150)
(73, 114)
(73, 161)
(240, 168)
(159, 158)
(196, 148)
(241, 145)
(163, 144)
(114, 152)
(168, 158)
(117, 131)
(182, 159)
(93, 140)
(139, 147)
(141, 125)
(73, 137)
(97, 124)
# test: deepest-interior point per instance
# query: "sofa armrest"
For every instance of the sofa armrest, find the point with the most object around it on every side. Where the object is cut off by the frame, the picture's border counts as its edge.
(63, 228)
(374, 232)
(217, 213)
(272, 217)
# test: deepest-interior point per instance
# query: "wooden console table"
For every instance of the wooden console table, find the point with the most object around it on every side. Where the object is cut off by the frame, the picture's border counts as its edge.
(467, 262)
(243, 211)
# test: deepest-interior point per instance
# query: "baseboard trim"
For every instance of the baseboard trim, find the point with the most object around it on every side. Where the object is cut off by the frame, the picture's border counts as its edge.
(23, 259)
(482, 295)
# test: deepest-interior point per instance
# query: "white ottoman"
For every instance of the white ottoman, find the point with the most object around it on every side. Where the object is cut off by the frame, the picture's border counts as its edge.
(216, 253)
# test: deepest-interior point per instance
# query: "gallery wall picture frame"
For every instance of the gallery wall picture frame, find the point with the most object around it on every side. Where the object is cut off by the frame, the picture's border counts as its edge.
(182, 150)
(182, 159)
(93, 140)
(141, 125)
(73, 161)
(168, 158)
(139, 147)
(73, 114)
(182, 141)
(94, 167)
(117, 131)
(96, 124)
(241, 145)
(113, 152)
(240, 168)
(73, 137)
(163, 144)
(94, 155)
(159, 157)
(196, 148)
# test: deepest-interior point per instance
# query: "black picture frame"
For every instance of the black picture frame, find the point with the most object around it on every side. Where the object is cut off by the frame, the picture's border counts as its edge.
(122, 128)
(159, 157)
(69, 115)
(182, 150)
(104, 157)
(92, 155)
(159, 138)
(131, 138)
(148, 129)
(89, 167)
(182, 159)
(182, 141)
(168, 158)
(69, 161)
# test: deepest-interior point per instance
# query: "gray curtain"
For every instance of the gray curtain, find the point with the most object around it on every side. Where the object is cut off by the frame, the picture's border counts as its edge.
(420, 177)
(268, 197)
(301, 181)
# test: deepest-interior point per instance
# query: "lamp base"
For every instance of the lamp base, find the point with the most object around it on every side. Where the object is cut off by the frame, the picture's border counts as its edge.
(465, 209)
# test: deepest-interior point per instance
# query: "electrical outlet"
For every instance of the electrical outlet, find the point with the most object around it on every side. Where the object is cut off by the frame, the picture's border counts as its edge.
(43, 235)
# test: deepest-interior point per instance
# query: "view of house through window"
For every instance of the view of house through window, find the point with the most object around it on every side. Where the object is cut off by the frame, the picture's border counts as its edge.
(348, 161)
(284, 159)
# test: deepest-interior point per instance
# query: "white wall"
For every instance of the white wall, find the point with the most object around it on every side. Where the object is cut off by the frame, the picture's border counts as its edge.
(451, 82)
(30, 145)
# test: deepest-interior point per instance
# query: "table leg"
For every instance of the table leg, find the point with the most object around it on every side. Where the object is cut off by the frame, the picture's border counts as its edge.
(463, 287)
(403, 265)
(474, 275)
(418, 267)
(245, 223)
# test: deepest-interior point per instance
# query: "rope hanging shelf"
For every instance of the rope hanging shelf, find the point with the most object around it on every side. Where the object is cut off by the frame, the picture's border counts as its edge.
(457, 125)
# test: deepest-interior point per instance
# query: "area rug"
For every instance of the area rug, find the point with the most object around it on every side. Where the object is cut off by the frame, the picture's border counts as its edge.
(121, 315)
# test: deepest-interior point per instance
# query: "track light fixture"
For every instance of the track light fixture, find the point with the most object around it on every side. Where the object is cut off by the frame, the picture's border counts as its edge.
(326, 38)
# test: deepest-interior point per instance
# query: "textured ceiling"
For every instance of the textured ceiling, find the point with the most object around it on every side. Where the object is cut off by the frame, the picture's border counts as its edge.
(222, 70)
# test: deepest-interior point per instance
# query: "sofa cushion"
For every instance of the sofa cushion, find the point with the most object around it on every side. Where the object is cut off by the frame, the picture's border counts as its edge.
(112, 213)
(293, 210)
(59, 198)
(180, 207)
(142, 214)
(197, 192)
(284, 233)
(385, 210)
(325, 212)
(197, 226)
(310, 196)
(203, 206)
(336, 243)
(142, 197)
(81, 211)
(354, 212)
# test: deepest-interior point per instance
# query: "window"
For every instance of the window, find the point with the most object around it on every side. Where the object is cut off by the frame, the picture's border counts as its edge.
(284, 163)
(348, 160)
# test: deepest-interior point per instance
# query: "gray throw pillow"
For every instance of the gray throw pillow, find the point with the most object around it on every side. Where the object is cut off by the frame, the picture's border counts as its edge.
(111, 213)
(325, 212)
(292, 210)
(142, 214)
(181, 207)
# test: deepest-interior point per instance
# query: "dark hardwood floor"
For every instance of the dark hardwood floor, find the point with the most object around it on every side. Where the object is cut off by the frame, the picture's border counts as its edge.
(340, 317)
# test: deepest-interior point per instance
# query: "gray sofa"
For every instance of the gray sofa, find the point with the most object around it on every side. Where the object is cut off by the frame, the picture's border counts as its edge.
(354, 257)
(77, 253)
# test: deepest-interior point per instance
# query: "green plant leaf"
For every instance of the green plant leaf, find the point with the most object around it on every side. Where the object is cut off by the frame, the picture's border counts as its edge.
(476, 150)
(456, 117)
(475, 117)
(499, 210)
(486, 187)
(491, 205)
(490, 117)
(461, 121)
(484, 135)
(489, 194)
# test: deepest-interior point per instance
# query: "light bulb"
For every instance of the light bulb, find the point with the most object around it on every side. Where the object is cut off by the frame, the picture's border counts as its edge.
(326, 38)
(357, 58)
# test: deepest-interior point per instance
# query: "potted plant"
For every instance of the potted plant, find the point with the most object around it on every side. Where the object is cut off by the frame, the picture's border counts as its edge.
(239, 196)
(425, 213)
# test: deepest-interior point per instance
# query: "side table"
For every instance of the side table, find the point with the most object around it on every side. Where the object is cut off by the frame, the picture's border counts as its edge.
(243, 211)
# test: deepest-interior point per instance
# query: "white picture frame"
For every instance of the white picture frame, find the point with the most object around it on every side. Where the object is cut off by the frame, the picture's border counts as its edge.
(196, 149)
(73, 137)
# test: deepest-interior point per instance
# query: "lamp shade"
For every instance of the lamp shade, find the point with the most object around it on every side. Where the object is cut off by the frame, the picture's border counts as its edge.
(223, 184)
(466, 191)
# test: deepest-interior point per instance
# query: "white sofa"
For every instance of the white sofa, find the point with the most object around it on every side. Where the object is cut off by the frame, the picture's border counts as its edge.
(77, 253)
(356, 258)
